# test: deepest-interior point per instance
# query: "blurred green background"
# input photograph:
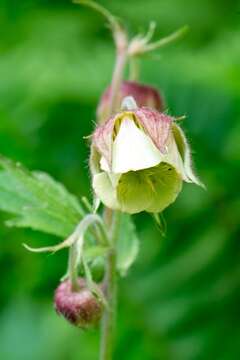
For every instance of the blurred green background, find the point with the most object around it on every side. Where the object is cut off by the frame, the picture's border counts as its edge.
(181, 298)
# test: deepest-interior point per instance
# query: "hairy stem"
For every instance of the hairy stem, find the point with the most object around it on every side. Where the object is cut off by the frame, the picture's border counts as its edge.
(109, 317)
(111, 221)
(116, 82)
(77, 242)
(73, 273)
(134, 68)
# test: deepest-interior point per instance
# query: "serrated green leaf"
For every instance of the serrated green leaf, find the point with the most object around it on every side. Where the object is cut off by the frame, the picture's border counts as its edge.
(128, 244)
(36, 200)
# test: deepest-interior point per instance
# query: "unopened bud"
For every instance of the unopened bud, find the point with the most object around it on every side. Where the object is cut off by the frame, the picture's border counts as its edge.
(144, 95)
(81, 308)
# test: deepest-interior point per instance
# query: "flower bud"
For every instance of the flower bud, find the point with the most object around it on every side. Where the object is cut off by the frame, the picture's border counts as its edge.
(81, 308)
(139, 160)
(144, 95)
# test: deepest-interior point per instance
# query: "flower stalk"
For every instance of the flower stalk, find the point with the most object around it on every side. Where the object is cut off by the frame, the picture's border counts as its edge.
(108, 328)
(76, 249)
(111, 221)
(117, 78)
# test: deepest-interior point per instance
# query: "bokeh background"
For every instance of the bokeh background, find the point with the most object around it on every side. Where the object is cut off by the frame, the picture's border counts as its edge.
(181, 298)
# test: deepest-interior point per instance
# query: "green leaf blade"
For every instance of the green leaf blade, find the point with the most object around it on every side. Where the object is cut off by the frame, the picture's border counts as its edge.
(128, 244)
(37, 201)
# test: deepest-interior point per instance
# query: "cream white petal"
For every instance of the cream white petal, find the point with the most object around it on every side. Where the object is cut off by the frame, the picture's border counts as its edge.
(104, 164)
(173, 157)
(133, 149)
(105, 191)
(113, 177)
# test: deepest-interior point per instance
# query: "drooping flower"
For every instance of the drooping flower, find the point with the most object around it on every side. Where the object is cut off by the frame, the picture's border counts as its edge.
(140, 158)
(144, 95)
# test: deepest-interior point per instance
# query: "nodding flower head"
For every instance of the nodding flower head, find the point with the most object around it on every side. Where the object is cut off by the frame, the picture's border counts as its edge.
(144, 95)
(139, 159)
(81, 308)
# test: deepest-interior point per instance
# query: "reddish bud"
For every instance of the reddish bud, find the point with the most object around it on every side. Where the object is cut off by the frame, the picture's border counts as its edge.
(81, 308)
(144, 95)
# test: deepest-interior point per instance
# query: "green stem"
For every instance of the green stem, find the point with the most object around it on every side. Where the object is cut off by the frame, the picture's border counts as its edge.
(134, 68)
(109, 317)
(111, 220)
(117, 80)
(76, 249)
(72, 269)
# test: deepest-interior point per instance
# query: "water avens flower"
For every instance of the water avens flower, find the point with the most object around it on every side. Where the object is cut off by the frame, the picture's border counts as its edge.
(144, 95)
(140, 157)
(81, 308)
